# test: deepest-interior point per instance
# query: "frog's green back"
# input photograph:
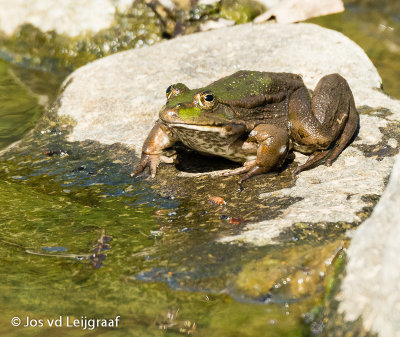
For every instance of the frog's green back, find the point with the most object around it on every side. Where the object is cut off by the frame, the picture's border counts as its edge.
(242, 84)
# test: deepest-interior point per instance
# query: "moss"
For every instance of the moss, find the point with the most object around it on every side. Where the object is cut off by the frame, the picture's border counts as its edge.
(31, 47)
(241, 11)
(383, 149)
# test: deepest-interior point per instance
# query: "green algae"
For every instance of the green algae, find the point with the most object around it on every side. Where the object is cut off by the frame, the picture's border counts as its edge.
(241, 11)
(326, 319)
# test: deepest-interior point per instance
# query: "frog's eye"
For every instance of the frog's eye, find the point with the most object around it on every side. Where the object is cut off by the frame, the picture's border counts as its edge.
(206, 100)
(209, 98)
(175, 90)
(168, 92)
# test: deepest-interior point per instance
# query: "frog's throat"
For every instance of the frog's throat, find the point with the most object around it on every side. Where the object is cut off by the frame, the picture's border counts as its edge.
(196, 127)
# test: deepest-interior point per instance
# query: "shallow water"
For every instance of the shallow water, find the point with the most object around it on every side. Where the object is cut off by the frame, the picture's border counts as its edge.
(81, 239)
(19, 108)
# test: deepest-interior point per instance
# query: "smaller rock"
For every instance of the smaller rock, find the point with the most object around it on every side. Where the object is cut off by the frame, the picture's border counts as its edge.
(70, 17)
(289, 11)
(215, 24)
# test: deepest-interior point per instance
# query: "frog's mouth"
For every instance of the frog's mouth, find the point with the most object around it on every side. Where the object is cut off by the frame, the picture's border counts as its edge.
(207, 128)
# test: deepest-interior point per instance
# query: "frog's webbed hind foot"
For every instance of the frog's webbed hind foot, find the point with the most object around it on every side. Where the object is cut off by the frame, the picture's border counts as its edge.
(312, 160)
(249, 169)
(239, 170)
(255, 170)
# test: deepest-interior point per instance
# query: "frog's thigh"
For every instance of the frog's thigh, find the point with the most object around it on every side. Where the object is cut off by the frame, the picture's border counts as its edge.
(273, 145)
(319, 122)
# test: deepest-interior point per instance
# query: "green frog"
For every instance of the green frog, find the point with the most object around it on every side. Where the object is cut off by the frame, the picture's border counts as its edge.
(255, 118)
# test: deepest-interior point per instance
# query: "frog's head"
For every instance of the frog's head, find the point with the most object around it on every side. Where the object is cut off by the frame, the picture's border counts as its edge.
(200, 107)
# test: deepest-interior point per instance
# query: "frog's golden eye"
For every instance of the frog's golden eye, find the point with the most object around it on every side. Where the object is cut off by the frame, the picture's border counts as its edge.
(206, 100)
(175, 90)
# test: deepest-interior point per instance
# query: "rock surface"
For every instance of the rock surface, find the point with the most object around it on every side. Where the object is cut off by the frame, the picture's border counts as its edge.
(116, 99)
(71, 17)
(371, 286)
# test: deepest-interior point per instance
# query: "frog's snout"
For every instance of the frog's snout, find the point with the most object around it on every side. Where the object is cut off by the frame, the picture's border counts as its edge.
(169, 115)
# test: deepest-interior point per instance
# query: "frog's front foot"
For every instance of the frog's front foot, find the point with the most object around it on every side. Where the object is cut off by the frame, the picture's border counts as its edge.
(152, 161)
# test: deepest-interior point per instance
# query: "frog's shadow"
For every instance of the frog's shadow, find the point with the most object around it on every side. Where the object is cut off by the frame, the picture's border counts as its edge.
(190, 161)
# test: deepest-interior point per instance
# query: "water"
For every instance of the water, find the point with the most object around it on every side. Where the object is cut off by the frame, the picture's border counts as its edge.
(19, 108)
(81, 239)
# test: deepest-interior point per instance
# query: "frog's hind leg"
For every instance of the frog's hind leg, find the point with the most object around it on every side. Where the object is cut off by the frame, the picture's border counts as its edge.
(330, 155)
(347, 134)
(328, 119)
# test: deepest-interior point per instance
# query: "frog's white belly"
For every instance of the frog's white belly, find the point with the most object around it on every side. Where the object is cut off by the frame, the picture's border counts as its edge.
(209, 140)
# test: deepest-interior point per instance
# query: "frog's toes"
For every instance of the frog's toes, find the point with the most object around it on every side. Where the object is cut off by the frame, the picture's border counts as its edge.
(152, 161)
(239, 170)
(253, 171)
(144, 162)
(147, 160)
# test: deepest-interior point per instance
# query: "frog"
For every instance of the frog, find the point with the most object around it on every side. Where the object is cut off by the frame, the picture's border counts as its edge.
(255, 118)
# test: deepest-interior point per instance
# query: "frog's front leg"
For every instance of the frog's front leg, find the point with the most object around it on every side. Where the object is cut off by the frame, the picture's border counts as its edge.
(159, 139)
(325, 124)
(271, 144)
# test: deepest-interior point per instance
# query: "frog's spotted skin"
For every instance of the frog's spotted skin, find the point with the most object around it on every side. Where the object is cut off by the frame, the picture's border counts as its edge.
(255, 118)
(209, 140)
